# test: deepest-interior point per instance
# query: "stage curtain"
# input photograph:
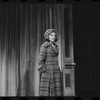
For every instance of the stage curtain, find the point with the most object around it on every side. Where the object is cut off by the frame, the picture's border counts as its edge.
(22, 27)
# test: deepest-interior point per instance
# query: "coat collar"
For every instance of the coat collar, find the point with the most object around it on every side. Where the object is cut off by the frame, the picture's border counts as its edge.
(55, 49)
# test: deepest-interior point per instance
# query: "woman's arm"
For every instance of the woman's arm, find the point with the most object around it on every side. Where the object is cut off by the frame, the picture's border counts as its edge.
(42, 58)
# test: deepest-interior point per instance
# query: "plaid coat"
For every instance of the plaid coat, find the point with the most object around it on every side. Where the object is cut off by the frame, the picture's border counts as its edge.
(51, 81)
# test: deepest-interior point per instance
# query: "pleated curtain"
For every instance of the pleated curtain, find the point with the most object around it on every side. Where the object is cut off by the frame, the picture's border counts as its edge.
(22, 27)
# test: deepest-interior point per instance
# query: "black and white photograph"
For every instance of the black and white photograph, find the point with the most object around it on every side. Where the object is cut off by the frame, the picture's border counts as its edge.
(50, 50)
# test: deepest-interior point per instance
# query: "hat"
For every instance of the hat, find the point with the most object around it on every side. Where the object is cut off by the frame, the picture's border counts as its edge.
(48, 31)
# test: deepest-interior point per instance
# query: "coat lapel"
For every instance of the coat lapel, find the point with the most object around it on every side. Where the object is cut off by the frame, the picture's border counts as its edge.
(54, 49)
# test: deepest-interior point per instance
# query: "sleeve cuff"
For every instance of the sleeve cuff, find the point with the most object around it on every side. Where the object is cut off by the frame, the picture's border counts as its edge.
(42, 69)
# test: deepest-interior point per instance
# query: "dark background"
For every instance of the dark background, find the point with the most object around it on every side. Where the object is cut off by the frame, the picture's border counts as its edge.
(86, 34)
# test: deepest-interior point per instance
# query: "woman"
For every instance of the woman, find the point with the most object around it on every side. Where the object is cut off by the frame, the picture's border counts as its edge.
(50, 74)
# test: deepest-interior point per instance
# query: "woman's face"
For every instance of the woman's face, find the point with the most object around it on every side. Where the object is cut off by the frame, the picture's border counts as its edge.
(52, 37)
